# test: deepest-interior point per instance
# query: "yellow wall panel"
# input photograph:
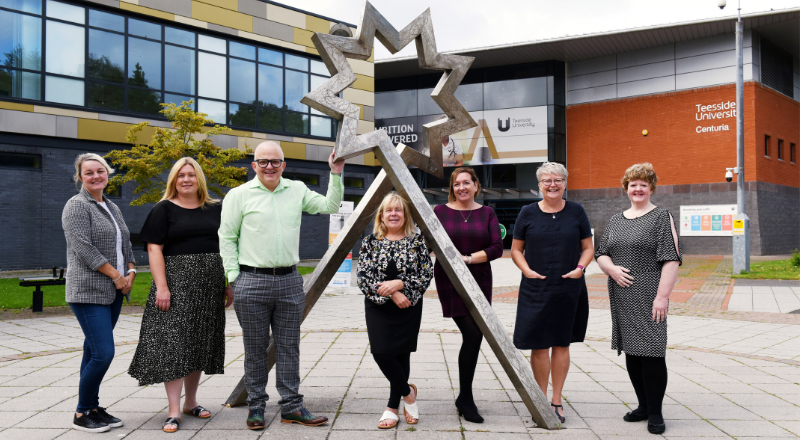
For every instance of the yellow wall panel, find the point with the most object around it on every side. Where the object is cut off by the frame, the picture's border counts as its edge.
(362, 67)
(364, 83)
(227, 4)
(224, 17)
(146, 11)
(303, 37)
(315, 24)
(361, 112)
(14, 106)
(191, 21)
(365, 127)
(311, 50)
(293, 150)
(369, 159)
(357, 96)
(105, 131)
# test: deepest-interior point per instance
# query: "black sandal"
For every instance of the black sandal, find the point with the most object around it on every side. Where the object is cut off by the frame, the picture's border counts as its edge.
(560, 417)
(171, 421)
(197, 412)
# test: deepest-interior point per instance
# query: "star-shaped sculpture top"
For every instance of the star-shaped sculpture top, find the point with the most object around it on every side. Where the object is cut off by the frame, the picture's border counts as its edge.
(335, 50)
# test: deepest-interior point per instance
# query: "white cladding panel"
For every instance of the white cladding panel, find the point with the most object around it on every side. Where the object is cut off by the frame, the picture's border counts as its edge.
(646, 71)
(591, 95)
(592, 80)
(646, 87)
(705, 78)
(646, 56)
(594, 65)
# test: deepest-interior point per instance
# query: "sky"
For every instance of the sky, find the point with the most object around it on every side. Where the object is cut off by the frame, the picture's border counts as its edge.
(468, 24)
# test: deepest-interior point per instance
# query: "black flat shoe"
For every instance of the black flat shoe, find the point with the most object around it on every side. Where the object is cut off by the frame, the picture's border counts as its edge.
(656, 428)
(560, 417)
(633, 417)
(469, 412)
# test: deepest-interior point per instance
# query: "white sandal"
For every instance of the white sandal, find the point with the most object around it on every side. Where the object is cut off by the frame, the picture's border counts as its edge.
(388, 415)
(411, 408)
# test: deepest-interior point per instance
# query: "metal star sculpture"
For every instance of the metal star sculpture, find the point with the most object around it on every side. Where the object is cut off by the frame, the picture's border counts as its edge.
(334, 51)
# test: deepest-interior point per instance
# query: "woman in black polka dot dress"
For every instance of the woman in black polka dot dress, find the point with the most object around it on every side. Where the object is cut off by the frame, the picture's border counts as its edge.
(640, 253)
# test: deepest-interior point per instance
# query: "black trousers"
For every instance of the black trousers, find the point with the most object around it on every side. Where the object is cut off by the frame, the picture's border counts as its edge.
(397, 369)
(649, 379)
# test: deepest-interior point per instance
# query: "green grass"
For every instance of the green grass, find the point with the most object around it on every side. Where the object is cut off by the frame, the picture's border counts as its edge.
(12, 296)
(771, 270)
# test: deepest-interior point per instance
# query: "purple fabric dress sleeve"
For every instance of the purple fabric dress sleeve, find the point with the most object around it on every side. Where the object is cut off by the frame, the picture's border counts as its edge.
(495, 249)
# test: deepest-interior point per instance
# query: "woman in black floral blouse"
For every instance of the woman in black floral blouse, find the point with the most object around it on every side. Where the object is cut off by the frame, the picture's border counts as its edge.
(394, 269)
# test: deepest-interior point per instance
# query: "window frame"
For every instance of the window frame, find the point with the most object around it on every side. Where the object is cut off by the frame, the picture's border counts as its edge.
(780, 149)
(299, 177)
(17, 154)
(162, 90)
(792, 152)
(767, 142)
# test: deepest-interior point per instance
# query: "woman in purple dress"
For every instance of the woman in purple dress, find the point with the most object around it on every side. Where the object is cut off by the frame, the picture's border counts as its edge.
(475, 232)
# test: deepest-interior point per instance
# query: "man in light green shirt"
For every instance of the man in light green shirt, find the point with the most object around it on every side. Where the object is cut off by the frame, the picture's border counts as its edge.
(259, 243)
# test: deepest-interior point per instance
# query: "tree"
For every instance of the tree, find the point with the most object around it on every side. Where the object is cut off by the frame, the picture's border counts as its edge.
(149, 165)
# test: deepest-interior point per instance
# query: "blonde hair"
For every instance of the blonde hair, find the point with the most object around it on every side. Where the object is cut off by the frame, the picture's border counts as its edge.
(85, 157)
(552, 168)
(393, 199)
(640, 171)
(451, 196)
(202, 189)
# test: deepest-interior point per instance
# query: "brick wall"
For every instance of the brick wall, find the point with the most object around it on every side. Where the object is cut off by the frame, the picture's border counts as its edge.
(604, 138)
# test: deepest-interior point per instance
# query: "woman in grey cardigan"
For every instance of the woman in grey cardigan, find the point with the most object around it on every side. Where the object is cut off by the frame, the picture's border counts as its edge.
(100, 270)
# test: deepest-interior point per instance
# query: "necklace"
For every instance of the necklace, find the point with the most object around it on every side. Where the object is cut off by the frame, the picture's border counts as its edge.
(468, 216)
(554, 213)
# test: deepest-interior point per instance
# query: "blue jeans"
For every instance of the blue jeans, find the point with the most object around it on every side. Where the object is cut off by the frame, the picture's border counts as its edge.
(97, 322)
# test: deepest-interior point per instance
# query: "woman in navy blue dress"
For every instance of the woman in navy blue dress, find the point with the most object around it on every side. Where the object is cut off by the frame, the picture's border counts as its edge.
(552, 247)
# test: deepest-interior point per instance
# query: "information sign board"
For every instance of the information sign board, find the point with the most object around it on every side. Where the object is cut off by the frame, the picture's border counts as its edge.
(707, 220)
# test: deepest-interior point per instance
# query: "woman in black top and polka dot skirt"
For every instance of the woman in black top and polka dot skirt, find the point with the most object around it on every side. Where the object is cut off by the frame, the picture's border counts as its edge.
(183, 327)
(640, 253)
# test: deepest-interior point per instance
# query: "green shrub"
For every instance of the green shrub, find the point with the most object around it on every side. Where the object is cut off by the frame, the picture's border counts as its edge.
(795, 258)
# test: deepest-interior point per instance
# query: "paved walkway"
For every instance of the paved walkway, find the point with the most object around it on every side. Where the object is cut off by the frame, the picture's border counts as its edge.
(729, 378)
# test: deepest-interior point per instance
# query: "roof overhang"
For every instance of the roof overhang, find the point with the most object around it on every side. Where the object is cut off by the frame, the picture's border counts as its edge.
(781, 27)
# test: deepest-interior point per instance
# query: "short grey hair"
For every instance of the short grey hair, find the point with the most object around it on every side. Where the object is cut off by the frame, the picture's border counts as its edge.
(552, 168)
(87, 157)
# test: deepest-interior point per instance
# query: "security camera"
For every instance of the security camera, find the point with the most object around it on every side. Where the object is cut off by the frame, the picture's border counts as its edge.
(722, 4)
(728, 176)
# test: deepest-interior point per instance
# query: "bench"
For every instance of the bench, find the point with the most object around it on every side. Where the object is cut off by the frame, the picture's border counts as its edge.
(38, 296)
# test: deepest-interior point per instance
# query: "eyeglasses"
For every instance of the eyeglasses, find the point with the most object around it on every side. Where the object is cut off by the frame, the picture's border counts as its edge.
(264, 162)
(548, 182)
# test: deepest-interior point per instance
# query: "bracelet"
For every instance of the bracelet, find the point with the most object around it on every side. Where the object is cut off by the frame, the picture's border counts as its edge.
(130, 270)
(120, 277)
(469, 261)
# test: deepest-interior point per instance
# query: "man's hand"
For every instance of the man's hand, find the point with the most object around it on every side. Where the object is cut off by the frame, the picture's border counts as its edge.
(228, 296)
(336, 167)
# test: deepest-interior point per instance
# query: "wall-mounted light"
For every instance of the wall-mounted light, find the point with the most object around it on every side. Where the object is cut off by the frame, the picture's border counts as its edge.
(644, 132)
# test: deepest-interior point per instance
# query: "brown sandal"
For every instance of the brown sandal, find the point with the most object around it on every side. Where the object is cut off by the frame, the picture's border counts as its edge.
(411, 409)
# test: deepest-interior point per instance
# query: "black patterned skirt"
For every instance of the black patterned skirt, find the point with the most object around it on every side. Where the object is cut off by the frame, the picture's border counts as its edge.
(190, 336)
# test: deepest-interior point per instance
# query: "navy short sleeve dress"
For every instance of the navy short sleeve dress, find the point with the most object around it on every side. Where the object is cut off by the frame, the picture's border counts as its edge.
(552, 312)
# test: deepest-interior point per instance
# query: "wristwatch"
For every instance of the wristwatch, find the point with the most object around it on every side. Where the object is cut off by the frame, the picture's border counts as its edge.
(582, 268)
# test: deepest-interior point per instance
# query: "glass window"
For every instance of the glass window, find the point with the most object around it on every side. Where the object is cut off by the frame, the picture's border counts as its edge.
(63, 11)
(215, 110)
(105, 96)
(353, 182)
(270, 56)
(242, 115)
(63, 90)
(529, 92)
(396, 104)
(65, 49)
(295, 62)
(17, 84)
(470, 96)
(106, 56)
(144, 29)
(270, 86)
(320, 126)
(20, 40)
(425, 104)
(316, 81)
(270, 119)
(296, 123)
(296, 88)
(243, 51)
(31, 6)
(319, 68)
(144, 101)
(144, 63)
(17, 160)
(212, 78)
(106, 21)
(242, 81)
(179, 36)
(178, 100)
(308, 179)
(211, 44)
(179, 69)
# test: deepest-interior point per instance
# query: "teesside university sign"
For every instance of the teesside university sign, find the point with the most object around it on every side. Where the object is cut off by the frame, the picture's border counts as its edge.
(713, 112)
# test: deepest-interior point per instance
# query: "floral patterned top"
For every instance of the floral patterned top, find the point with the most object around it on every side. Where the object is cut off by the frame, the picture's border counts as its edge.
(413, 262)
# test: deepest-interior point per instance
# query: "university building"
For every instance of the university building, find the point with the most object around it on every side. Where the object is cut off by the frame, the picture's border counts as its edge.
(600, 103)
(75, 75)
